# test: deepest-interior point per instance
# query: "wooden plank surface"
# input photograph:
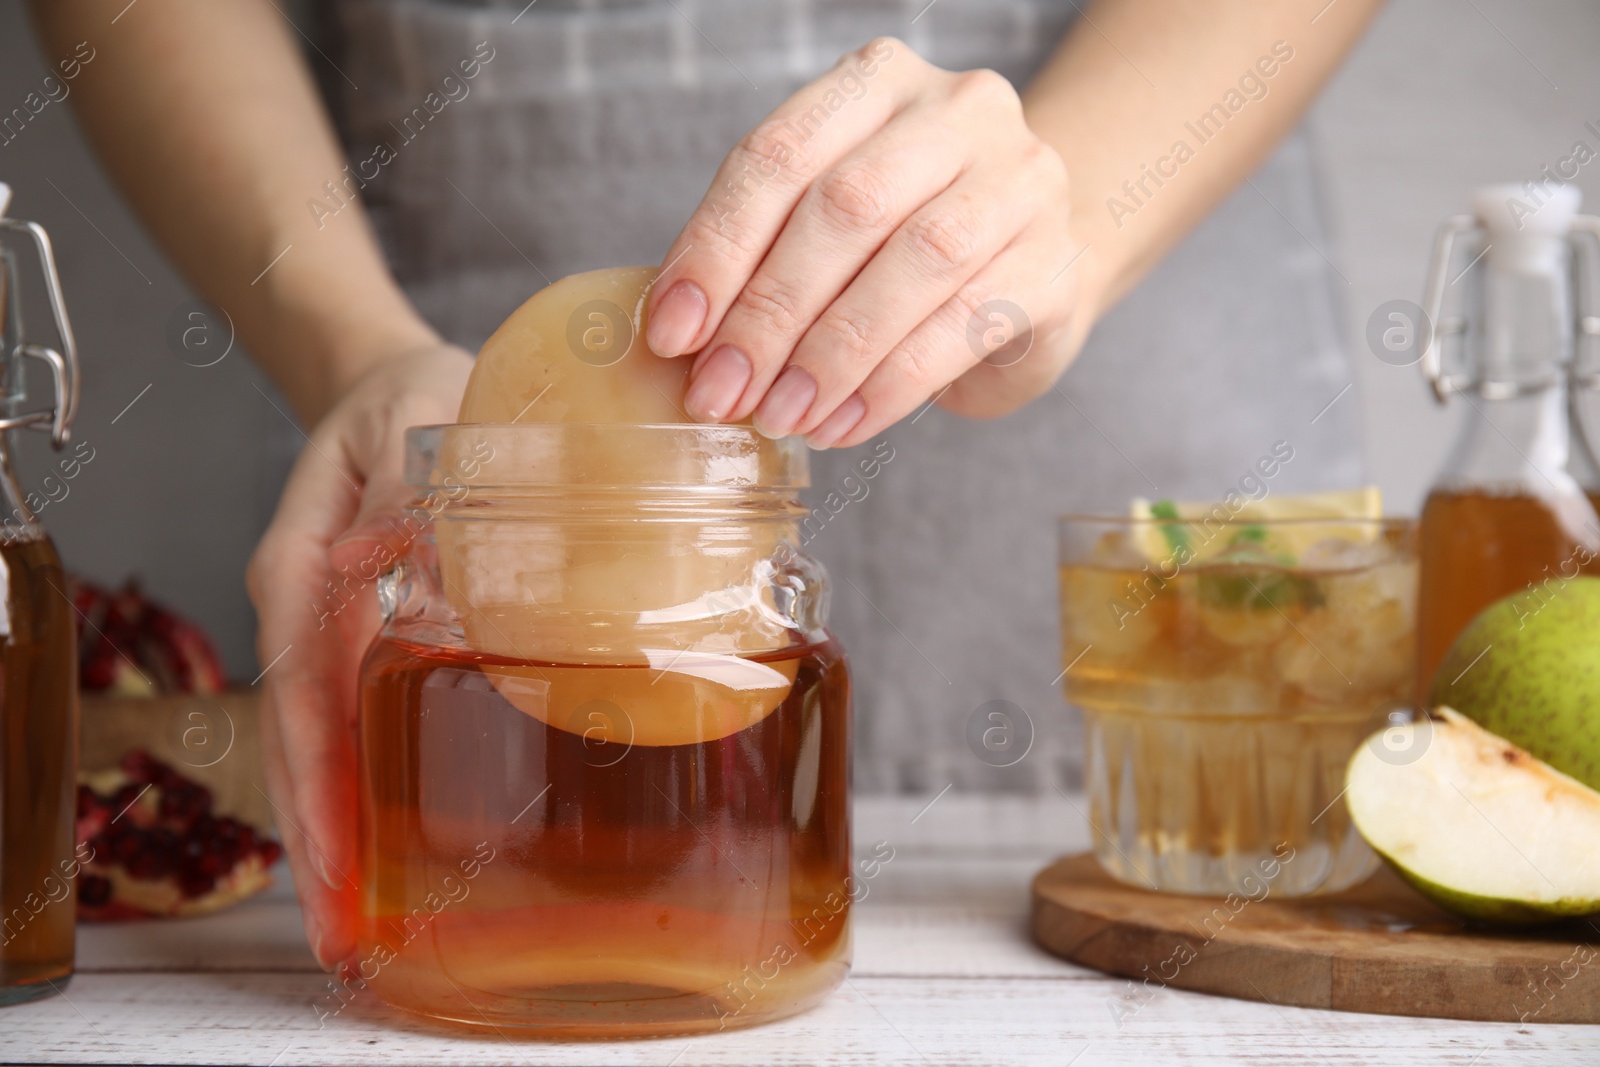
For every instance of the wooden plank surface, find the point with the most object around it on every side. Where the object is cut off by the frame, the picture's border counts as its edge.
(945, 974)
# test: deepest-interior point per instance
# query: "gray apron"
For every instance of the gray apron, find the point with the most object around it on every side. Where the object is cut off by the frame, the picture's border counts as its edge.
(593, 132)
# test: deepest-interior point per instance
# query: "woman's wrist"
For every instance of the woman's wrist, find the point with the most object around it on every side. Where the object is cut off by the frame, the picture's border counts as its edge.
(371, 346)
(331, 324)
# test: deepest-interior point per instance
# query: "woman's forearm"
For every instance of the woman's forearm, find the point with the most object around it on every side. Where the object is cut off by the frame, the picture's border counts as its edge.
(207, 117)
(1162, 107)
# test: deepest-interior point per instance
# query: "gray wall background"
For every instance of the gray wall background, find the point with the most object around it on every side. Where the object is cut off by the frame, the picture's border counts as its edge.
(1442, 96)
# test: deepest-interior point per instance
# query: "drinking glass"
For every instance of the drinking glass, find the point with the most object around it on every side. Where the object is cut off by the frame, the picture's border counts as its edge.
(1227, 669)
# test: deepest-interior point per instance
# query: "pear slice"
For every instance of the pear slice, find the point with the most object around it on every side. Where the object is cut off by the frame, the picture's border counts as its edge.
(1475, 823)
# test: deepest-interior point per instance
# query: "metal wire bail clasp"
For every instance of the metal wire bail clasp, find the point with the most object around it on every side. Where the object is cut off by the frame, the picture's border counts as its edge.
(1432, 363)
(1584, 373)
(63, 362)
(1582, 236)
(1586, 251)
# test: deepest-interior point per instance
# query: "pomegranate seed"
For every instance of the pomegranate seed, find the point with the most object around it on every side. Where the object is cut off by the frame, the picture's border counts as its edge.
(123, 798)
(142, 767)
(185, 803)
(88, 800)
(146, 864)
(126, 845)
(195, 884)
(174, 804)
(93, 891)
(166, 846)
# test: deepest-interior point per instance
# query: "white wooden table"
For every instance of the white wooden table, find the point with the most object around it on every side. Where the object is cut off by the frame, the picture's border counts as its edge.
(944, 974)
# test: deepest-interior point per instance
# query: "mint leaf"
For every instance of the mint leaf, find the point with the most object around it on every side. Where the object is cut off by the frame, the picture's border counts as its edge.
(1176, 535)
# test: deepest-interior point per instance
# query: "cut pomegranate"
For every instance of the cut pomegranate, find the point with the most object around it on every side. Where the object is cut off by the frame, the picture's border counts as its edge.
(132, 646)
(157, 849)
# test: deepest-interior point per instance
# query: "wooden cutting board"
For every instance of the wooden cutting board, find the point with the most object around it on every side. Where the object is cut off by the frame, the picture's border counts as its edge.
(1378, 947)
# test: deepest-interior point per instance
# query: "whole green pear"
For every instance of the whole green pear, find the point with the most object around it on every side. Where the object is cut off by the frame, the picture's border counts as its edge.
(1528, 669)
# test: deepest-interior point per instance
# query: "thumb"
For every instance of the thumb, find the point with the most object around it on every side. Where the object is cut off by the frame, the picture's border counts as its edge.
(389, 520)
(416, 390)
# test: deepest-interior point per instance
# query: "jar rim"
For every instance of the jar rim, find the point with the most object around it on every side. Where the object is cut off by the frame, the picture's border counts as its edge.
(588, 455)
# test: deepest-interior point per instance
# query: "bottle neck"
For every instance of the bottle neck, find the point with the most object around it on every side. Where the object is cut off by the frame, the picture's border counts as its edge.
(1521, 444)
(1520, 320)
(1521, 324)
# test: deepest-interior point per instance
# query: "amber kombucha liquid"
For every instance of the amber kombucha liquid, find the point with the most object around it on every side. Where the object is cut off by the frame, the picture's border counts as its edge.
(1478, 547)
(518, 874)
(38, 771)
(1220, 712)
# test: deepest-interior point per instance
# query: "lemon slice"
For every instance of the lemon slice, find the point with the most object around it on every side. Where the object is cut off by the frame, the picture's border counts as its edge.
(1288, 524)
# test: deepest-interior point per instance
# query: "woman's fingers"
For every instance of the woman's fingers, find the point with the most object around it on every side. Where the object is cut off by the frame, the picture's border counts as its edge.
(827, 278)
(758, 185)
(927, 259)
(425, 388)
(838, 225)
(317, 613)
(1027, 366)
(329, 930)
(311, 766)
(985, 328)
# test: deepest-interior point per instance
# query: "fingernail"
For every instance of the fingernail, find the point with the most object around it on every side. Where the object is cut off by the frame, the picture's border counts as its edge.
(314, 939)
(676, 320)
(700, 359)
(845, 418)
(785, 403)
(325, 870)
(718, 384)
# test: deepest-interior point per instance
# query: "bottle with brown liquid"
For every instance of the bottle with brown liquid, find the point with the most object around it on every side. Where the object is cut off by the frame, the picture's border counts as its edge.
(38, 662)
(603, 737)
(1514, 510)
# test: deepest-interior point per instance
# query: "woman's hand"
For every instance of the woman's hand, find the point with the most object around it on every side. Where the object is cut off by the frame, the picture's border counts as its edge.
(308, 579)
(877, 238)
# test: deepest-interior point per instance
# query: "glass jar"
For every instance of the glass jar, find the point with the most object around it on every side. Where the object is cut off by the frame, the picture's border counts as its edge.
(604, 737)
(1227, 669)
(38, 656)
